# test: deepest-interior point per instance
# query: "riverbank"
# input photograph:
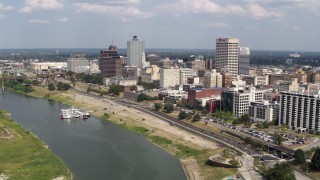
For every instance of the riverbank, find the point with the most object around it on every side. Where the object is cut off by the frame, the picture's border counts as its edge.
(24, 156)
(192, 150)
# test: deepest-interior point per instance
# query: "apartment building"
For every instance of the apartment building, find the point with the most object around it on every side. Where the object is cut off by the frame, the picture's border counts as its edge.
(300, 110)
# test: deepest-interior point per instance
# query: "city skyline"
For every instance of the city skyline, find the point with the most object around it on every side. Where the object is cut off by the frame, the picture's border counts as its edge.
(180, 24)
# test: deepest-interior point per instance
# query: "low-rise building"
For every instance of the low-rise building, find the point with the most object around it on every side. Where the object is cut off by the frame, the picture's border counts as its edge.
(45, 66)
(197, 93)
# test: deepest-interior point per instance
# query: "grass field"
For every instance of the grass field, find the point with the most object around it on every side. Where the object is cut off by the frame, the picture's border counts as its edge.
(26, 157)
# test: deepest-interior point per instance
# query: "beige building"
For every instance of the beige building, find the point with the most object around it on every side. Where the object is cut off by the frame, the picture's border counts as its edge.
(227, 55)
(185, 73)
(45, 66)
(169, 77)
(291, 86)
(196, 64)
(150, 74)
(212, 79)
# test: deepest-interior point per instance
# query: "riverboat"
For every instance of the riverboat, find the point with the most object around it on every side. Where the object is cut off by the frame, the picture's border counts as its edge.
(73, 113)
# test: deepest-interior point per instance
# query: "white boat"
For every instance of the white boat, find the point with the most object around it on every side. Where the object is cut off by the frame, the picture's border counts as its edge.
(73, 113)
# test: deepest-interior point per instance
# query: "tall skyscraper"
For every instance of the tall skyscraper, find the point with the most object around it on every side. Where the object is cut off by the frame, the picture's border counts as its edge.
(110, 62)
(244, 60)
(135, 52)
(227, 56)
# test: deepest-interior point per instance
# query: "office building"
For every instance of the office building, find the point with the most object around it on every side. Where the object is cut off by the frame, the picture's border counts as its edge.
(262, 111)
(169, 77)
(244, 60)
(237, 100)
(78, 64)
(227, 56)
(212, 79)
(110, 62)
(185, 73)
(300, 110)
(135, 52)
(150, 74)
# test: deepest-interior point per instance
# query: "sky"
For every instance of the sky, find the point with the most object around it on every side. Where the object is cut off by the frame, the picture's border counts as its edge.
(292, 25)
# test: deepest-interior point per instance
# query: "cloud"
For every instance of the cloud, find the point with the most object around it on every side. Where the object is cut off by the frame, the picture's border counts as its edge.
(117, 11)
(5, 8)
(249, 8)
(39, 21)
(200, 6)
(2, 16)
(31, 5)
(260, 12)
(218, 25)
(64, 19)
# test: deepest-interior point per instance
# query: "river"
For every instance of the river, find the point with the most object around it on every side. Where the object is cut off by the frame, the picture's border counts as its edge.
(92, 149)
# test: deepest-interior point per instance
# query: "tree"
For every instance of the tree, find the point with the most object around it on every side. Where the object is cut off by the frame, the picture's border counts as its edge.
(168, 107)
(51, 87)
(245, 118)
(315, 160)
(142, 97)
(183, 115)
(182, 103)
(160, 96)
(158, 106)
(281, 171)
(299, 156)
(63, 86)
(70, 73)
(196, 118)
(278, 138)
(114, 89)
(133, 88)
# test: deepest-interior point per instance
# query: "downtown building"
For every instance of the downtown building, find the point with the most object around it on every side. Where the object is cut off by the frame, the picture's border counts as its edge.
(78, 64)
(300, 110)
(110, 62)
(135, 53)
(237, 100)
(263, 111)
(212, 79)
(244, 60)
(227, 56)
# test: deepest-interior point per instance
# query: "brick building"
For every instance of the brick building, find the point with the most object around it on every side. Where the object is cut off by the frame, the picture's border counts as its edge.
(197, 93)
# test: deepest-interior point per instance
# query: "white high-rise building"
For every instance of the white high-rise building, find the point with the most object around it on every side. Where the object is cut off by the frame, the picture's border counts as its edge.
(300, 110)
(244, 60)
(135, 52)
(227, 56)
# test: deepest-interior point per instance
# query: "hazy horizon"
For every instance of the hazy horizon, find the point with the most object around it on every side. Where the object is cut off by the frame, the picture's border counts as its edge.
(177, 24)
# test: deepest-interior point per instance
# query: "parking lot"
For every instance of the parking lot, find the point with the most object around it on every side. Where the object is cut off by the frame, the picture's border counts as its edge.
(264, 135)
